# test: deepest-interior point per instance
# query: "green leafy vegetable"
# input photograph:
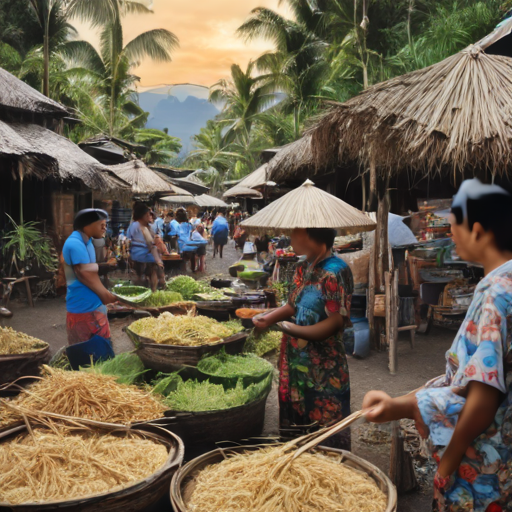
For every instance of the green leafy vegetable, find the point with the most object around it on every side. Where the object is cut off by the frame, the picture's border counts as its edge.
(194, 396)
(126, 367)
(162, 298)
(135, 294)
(225, 365)
(264, 343)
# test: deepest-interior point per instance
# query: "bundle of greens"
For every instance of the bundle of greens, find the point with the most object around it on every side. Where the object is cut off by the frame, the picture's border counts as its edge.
(162, 298)
(194, 396)
(228, 366)
(263, 343)
(186, 286)
(127, 368)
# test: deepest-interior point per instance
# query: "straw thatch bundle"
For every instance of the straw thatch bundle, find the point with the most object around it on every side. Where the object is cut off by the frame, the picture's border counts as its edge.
(141, 178)
(45, 153)
(255, 180)
(16, 94)
(308, 207)
(206, 201)
(454, 115)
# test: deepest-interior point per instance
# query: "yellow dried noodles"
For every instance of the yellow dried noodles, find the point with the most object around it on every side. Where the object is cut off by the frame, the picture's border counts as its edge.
(14, 342)
(84, 395)
(268, 481)
(49, 466)
(184, 330)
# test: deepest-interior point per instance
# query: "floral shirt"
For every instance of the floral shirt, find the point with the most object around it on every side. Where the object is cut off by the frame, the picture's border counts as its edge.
(481, 351)
(314, 382)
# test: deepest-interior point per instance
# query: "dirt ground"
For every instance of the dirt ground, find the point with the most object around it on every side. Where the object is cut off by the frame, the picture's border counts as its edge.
(416, 365)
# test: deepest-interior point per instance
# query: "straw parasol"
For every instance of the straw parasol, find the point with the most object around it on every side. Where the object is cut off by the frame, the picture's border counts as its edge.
(451, 116)
(309, 207)
(206, 201)
(142, 179)
(247, 187)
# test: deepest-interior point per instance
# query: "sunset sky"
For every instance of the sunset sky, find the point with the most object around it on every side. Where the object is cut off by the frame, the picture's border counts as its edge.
(206, 30)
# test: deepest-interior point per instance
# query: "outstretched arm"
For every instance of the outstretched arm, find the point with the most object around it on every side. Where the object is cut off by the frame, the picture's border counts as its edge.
(320, 331)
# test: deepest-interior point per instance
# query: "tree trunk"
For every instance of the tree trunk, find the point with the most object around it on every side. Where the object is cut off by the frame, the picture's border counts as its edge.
(46, 64)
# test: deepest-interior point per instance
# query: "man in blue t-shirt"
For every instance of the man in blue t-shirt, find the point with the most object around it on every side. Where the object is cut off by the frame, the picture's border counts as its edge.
(86, 296)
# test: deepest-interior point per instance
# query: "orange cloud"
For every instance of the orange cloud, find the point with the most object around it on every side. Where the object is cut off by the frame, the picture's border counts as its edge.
(208, 43)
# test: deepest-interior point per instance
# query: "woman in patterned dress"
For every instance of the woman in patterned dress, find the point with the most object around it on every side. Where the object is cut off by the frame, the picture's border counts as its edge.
(314, 385)
(467, 413)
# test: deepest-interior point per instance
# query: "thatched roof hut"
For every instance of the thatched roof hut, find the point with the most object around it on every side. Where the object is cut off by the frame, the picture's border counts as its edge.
(18, 96)
(207, 201)
(45, 153)
(141, 178)
(249, 185)
(454, 115)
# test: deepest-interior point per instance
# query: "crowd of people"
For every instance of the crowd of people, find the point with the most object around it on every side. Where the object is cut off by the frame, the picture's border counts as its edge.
(152, 236)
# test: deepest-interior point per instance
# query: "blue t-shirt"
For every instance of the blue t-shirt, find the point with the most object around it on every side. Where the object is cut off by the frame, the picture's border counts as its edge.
(79, 298)
(220, 226)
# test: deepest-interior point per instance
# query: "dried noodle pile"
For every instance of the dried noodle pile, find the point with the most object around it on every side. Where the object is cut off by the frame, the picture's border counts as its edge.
(264, 481)
(85, 395)
(14, 342)
(53, 466)
(168, 329)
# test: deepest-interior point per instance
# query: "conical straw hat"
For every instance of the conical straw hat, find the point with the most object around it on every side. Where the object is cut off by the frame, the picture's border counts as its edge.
(308, 207)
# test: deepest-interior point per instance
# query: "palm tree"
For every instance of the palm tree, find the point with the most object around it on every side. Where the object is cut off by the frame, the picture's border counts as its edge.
(111, 66)
(161, 146)
(51, 17)
(244, 99)
(296, 67)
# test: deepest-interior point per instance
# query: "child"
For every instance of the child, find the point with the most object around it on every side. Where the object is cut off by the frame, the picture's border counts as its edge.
(467, 413)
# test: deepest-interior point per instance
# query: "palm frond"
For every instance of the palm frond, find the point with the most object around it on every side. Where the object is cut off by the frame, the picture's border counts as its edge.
(156, 44)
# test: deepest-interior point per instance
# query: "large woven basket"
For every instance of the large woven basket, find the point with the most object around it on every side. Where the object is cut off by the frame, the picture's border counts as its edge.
(14, 366)
(136, 498)
(234, 424)
(183, 482)
(170, 358)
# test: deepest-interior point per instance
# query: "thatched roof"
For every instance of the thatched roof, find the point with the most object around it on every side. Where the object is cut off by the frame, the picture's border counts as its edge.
(454, 115)
(308, 207)
(45, 153)
(239, 191)
(295, 159)
(179, 200)
(207, 201)
(142, 179)
(183, 186)
(256, 179)
(16, 94)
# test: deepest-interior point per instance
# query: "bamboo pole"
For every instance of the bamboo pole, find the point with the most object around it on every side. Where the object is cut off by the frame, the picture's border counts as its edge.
(393, 321)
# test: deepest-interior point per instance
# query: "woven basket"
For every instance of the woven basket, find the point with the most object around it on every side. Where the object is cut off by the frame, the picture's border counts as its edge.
(136, 498)
(14, 366)
(183, 482)
(171, 358)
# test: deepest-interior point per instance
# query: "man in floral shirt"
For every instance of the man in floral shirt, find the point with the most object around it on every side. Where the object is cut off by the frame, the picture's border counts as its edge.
(467, 413)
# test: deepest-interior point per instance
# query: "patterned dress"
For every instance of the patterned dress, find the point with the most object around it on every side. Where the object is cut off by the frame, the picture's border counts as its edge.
(314, 383)
(482, 351)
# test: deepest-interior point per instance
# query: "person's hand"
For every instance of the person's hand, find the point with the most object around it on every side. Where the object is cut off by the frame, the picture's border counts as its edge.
(261, 322)
(379, 405)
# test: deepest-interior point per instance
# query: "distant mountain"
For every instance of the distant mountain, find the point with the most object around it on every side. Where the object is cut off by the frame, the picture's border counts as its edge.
(183, 109)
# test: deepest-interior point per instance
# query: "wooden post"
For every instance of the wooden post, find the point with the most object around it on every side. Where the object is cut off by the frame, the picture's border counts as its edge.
(401, 468)
(389, 308)
(370, 306)
(392, 326)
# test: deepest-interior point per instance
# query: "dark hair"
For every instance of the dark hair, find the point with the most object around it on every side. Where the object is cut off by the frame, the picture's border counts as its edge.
(322, 236)
(181, 215)
(200, 229)
(88, 216)
(139, 210)
(494, 213)
(170, 214)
